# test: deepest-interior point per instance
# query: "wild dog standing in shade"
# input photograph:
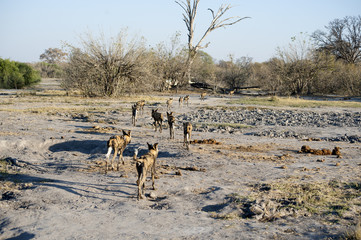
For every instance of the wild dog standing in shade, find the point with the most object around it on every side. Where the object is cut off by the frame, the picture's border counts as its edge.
(135, 109)
(186, 99)
(231, 92)
(158, 119)
(140, 105)
(169, 103)
(118, 144)
(180, 101)
(143, 165)
(171, 122)
(187, 128)
(203, 95)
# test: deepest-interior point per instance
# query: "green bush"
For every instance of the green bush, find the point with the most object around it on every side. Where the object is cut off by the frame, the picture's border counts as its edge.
(16, 75)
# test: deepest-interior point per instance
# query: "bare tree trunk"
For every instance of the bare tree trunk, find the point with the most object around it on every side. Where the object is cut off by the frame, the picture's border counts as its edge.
(190, 10)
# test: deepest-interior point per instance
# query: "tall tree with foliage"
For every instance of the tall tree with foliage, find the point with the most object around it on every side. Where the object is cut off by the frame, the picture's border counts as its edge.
(52, 62)
(190, 11)
(342, 39)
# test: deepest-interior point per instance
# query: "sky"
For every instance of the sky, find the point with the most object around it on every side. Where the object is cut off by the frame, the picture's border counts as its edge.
(29, 27)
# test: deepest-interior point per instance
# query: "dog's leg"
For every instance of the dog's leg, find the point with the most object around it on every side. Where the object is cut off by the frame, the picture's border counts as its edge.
(120, 157)
(184, 140)
(139, 170)
(153, 176)
(141, 184)
(187, 140)
(115, 155)
(139, 191)
(170, 130)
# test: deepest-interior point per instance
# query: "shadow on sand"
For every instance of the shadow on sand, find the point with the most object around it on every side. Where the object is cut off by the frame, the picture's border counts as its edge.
(83, 146)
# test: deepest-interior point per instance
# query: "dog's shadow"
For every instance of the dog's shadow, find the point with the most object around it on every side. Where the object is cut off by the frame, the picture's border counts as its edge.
(82, 146)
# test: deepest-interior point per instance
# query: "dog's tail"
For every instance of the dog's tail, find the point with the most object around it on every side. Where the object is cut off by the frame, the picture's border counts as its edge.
(109, 152)
(135, 154)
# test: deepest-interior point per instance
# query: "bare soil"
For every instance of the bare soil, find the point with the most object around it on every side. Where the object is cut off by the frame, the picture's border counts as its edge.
(53, 184)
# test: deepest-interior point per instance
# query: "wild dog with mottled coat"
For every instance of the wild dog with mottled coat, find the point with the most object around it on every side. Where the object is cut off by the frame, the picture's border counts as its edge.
(169, 103)
(180, 101)
(186, 99)
(231, 93)
(135, 109)
(203, 95)
(158, 119)
(171, 122)
(187, 128)
(143, 165)
(140, 105)
(118, 144)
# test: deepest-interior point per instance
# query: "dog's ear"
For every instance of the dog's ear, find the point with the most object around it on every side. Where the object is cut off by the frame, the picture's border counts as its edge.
(155, 145)
(124, 132)
(150, 146)
(129, 132)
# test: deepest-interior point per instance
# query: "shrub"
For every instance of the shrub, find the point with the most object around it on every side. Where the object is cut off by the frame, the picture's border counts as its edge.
(103, 68)
(16, 75)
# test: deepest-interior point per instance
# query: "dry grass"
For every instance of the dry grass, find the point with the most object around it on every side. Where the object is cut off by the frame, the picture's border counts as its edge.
(333, 200)
(10, 133)
(50, 104)
(293, 102)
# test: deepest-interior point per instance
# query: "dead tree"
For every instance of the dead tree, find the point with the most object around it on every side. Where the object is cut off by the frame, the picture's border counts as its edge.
(189, 15)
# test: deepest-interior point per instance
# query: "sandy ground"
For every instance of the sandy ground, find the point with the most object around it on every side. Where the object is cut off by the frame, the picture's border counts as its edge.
(55, 186)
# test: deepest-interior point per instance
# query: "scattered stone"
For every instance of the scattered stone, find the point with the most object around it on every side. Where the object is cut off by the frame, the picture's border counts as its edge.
(272, 117)
(193, 169)
(99, 129)
(307, 149)
(312, 139)
(336, 151)
(153, 195)
(205, 141)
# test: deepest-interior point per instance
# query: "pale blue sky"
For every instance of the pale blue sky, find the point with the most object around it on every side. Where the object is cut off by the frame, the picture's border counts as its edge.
(28, 27)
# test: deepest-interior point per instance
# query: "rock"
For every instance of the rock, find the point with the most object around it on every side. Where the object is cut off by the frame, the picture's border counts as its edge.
(153, 195)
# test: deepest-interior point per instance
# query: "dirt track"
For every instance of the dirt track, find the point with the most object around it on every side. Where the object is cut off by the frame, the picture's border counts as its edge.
(55, 188)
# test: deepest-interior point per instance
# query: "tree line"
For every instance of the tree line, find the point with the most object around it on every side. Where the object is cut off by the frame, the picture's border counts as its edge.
(325, 62)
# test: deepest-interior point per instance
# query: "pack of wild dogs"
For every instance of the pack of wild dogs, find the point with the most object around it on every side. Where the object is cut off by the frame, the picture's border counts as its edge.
(147, 162)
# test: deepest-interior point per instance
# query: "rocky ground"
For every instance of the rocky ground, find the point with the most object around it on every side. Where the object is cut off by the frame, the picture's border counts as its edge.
(254, 184)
